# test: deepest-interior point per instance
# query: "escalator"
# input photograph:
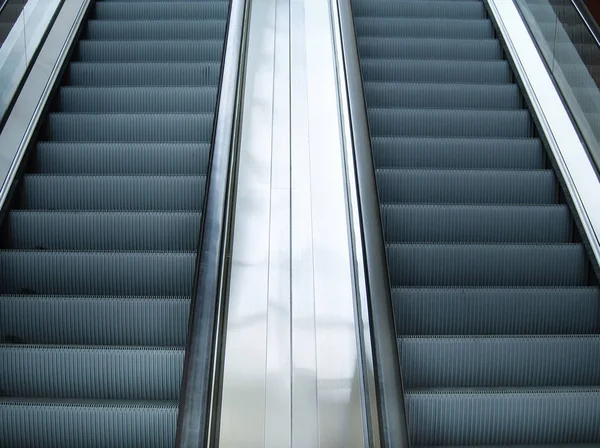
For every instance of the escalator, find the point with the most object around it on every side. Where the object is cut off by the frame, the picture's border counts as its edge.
(496, 301)
(99, 243)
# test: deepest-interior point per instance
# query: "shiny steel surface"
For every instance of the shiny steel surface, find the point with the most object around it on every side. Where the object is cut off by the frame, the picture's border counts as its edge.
(580, 178)
(291, 372)
(199, 408)
(28, 107)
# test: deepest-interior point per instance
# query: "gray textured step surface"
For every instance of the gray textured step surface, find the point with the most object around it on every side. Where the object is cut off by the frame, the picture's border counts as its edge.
(95, 320)
(74, 424)
(496, 311)
(121, 158)
(544, 361)
(155, 29)
(28, 229)
(457, 153)
(424, 27)
(90, 372)
(150, 51)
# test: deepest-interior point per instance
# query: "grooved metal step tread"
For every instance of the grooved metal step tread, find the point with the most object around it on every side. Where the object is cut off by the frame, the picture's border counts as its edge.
(424, 27)
(181, 10)
(144, 74)
(95, 320)
(137, 99)
(442, 96)
(476, 223)
(68, 127)
(457, 153)
(389, 122)
(150, 51)
(436, 71)
(474, 265)
(123, 231)
(496, 311)
(542, 361)
(97, 273)
(466, 186)
(419, 9)
(121, 158)
(155, 29)
(125, 193)
(456, 49)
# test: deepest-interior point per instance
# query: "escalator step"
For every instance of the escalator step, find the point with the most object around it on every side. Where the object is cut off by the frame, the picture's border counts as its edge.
(466, 186)
(90, 372)
(474, 265)
(504, 416)
(75, 320)
(450, 123)
(518, 311)
(121, 158)
(420, 9)
(57, 192)
(76, 423)
(476, 224)
(103, 30)
(442, 96)
(137, 99)
(97, 273)
(424, 27)
(143, 74)
(173, 10)
(102, 230)
(544, 361)
(456, 49)
(129, 127)
(150, 51)
(456, 72)
(458, 153)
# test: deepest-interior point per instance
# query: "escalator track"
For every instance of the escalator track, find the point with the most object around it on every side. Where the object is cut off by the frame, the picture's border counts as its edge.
(496, 301)
(99, 244)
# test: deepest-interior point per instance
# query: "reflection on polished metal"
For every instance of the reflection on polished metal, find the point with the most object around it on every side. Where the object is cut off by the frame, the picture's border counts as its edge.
(20, 46)
(570, 154)
(21, 123)
(291, 370)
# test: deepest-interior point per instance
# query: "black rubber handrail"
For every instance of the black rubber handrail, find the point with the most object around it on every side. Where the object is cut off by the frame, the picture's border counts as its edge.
(388, 377)
(199, 408)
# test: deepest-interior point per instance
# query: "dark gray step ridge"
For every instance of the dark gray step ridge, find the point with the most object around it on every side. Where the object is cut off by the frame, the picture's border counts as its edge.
(436, 71)
(121, 158)
(98, 320)
(476, 223)
(458, 153)
(504, 417)
(438, 49)
(67, 230)
(542, 361)
(477, 265)
(419, 9)
(97, 273)
(144, 74)
(387, 122)
(155, 29)
(137, 99)
(93, 423)
(466, 186)
(423, 27)
(496, 311)
(129, 127)
(125, 193)
(150, 51)
(442, 96)
(90, 372)
(182, 10)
